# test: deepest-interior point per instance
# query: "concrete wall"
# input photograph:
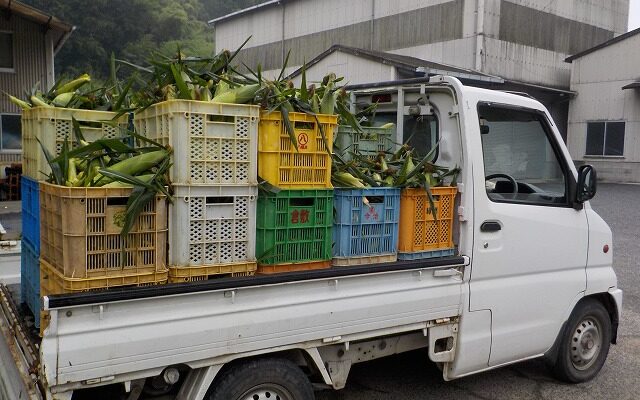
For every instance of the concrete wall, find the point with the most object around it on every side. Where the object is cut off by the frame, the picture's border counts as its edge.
(33, 62)
(598, 79)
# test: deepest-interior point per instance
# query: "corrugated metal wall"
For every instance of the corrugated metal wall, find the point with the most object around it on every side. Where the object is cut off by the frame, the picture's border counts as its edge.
(29, 59)
(436, 23)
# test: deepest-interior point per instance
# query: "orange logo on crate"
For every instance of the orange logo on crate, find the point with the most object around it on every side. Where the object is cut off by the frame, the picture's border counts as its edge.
(299, 217)
(303, 140)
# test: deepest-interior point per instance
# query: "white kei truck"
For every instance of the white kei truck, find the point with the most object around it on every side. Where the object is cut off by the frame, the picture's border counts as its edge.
(532, 277)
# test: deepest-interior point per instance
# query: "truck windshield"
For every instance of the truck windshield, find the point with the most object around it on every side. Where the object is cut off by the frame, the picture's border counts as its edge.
(520, 163)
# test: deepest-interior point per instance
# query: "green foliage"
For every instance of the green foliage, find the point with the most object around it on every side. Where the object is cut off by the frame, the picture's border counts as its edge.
(133, 29)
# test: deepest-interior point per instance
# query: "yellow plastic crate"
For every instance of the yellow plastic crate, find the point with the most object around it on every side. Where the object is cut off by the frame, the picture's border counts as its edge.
(51, 125)
(80, 232)
(281, 164)
(201, 273)
(419, 231)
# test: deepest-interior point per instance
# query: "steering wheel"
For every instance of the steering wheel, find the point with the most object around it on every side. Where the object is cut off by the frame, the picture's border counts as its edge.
(507, 177)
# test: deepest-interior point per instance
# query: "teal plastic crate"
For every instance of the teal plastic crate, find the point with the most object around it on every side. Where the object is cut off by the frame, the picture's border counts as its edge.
(366, 222)
(294, 226)
(369, 142)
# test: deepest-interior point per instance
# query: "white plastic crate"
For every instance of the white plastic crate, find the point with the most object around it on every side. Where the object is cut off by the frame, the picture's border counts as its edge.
(51, 125)
(213, 143)
(211, 225)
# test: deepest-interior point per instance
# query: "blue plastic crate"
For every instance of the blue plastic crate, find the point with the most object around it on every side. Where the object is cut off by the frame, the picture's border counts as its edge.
(420, 255)
(30, 280)
(31, 212)
(366, 227)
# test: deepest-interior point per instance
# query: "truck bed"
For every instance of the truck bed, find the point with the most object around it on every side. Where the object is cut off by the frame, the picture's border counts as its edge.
(97, 338)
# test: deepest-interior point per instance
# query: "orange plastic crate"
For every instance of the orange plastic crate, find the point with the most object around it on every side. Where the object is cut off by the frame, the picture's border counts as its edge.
(419, 231)
(292, 267)
(281, 164)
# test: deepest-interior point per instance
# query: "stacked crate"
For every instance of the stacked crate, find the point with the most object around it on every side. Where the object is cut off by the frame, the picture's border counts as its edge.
(212, 220)
(295, 220)
(366, 222)
(47, 128)
(423, 235)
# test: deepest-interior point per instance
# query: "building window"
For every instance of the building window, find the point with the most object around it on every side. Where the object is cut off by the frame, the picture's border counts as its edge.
(6, 51)
(10, 137)
(605, 139)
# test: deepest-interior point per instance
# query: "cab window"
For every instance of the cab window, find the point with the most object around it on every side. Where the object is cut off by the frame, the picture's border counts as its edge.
(521, 164)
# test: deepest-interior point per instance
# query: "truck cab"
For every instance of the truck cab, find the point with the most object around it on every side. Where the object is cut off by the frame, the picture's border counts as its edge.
(531, 277)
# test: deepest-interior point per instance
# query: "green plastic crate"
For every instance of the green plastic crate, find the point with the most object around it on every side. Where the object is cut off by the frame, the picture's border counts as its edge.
(368, 143)
(294, 226)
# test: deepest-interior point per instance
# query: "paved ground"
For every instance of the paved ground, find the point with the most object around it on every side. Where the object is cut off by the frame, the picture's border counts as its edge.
(411, 376)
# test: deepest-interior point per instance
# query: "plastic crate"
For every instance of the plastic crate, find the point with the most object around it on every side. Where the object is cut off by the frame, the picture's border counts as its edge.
(80, 233)
(308, 167)
(30, 280)
(213, 143)
(364, 260)
(192, 274)
(212, 225)
(53, 282)
(293, 267)
(419, 231)
(426, 254)
(51, 125)
(294, 226)
(366, 222)
(369, 142)
(30, 194)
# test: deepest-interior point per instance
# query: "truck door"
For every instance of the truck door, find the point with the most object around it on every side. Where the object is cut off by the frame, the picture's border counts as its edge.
(530, 244)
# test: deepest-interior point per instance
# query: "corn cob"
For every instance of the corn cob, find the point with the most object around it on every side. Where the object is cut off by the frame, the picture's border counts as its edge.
(73, 85)
(62, 100)
(134, 165)
(239, 95)
(20, 103)
(37, 101)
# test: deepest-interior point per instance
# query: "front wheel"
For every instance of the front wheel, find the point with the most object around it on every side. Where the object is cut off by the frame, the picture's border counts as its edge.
(272, 379)
(585, 343)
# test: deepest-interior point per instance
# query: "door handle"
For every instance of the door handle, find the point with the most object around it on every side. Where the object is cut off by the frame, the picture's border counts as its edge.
(490, 226)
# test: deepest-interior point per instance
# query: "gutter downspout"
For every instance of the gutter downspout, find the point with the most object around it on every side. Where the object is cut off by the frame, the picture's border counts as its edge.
(63, 40)
(281, 4)
(373, 29)
(479, 36)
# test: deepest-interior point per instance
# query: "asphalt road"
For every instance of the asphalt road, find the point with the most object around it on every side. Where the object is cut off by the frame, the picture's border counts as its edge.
(412, 376)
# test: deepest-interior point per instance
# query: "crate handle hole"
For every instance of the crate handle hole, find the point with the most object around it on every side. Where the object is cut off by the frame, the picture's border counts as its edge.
(220, 200)
(375, 199)
(117, 201)
(304, 125)
(302, 202)
(221, 118)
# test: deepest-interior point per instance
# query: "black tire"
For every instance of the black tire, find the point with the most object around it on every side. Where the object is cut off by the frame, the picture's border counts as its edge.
(268, 379)
(584, 344)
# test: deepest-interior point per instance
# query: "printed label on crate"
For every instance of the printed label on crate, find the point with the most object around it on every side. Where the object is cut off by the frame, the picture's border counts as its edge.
(303, 141)
(371, 215)
(300, 216)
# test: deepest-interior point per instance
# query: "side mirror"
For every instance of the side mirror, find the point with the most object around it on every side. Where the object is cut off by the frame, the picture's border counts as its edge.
(587, 183)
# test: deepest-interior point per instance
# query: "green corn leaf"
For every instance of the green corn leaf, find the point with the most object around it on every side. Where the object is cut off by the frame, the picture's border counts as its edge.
(304, 93)
(284, 66)
(288, 126)
(185, 93)
(77, 132)
(56, 171)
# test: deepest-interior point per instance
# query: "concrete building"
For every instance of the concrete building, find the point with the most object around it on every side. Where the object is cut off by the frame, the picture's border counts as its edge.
(519, 40)
(29, 40)
(604, 116)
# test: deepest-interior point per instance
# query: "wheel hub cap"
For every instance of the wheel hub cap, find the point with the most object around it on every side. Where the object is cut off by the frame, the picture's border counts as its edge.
(586, 343)
(267, 392)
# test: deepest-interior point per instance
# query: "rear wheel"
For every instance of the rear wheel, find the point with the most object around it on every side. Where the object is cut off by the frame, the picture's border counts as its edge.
(585, 343)
(269, 379)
